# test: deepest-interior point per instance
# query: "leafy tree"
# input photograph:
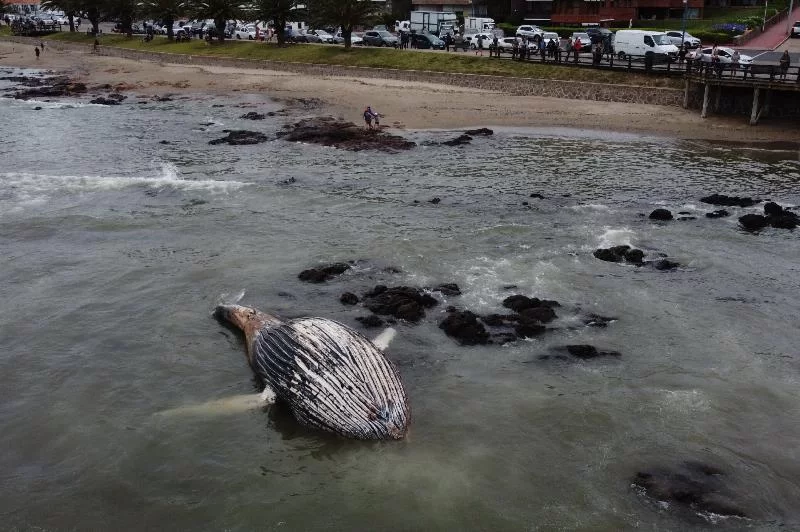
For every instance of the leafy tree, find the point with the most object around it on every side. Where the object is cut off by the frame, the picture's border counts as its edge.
(123, 10)
(71, 8)
(221, 11)
(346, 14)
(276, 11)
(165, 11)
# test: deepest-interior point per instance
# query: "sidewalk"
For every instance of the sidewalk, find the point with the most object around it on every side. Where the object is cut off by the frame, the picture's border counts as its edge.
(776, 34)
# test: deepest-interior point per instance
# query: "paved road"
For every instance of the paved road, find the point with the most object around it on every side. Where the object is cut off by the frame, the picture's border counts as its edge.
(777, 33)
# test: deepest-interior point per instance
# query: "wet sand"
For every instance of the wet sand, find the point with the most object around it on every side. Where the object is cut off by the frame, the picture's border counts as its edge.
(403, 104)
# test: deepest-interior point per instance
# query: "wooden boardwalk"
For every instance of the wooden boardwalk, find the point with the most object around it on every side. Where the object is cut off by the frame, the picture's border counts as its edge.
(766, 81)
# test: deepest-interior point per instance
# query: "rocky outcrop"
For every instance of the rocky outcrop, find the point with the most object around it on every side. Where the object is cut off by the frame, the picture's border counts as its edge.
(729, 201)
(619, 254)
(464, 326)
(239, 137)
(52, 88)
(480, 132)
(320, 274)
(329, 131)
(458, 141)
(403, 302)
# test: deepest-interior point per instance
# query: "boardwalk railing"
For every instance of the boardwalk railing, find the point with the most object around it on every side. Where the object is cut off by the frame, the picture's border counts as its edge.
(754, 73)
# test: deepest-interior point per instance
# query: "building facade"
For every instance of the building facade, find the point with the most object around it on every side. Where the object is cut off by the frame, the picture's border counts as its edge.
(621, 12)
(466, 8)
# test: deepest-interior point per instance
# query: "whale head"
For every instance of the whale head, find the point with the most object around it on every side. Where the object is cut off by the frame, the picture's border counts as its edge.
(246, 319)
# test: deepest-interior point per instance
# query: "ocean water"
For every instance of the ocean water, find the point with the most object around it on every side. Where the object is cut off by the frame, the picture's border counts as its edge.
(116, 247)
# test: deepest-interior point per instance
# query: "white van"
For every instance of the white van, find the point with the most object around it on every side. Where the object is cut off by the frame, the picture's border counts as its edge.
(640, 43)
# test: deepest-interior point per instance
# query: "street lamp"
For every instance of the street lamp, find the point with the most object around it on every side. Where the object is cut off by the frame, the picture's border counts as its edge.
(683, 23)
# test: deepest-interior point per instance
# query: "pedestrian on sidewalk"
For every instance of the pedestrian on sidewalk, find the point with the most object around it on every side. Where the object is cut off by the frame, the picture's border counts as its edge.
(785, 62)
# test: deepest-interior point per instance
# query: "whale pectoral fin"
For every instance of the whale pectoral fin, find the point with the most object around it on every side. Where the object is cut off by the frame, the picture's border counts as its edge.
(226, 405)
(383, 340)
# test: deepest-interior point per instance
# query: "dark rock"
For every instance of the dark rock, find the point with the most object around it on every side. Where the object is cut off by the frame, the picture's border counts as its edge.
(447, 289)
(528, 327)
(168, 99)
(117, 96)
(787, 220)
(465, 328)
(721, 213)
(252, 115)
(240, 137)
(584, 351)
(402, 302)
(634, 256)
(323, 273)
(165, 142)
(607, 255)
(379, 289)
(329, 131)
(665, 264)
(348, 298)
(371, 321)
(693, 486)
(435, 201)
(57, 87)
(104, 101)
(218, 105)
(290, 181)
(525, 203)
(661, 214)
(772, 209)
(684, 213)
(37, 108)
(484, 131)
(519, 303)
(687, 218)
(540, 314)
(753, 222)
(537, 196)
(458, 141)
(729, 201)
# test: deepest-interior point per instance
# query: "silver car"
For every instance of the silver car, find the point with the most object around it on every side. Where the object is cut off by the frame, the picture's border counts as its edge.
(676, 36)
(725, 55)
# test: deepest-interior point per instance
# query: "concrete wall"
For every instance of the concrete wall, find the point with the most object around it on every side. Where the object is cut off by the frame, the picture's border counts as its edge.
(578, 90)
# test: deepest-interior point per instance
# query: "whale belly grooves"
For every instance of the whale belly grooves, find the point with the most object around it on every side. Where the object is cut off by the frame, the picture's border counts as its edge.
(333, 378)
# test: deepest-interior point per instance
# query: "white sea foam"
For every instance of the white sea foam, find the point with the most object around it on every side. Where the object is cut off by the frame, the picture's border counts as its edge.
(684, 401)
(34, 184)
(616, 237)
(592, 207)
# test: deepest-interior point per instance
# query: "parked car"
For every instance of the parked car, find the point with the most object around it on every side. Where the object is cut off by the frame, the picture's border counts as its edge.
(380, 38)
(472, 40)
(305, 36)
(245, 32)
(796, 29)
(506, 44)
(549, 35)
(586, 41)
(676, 36)
(322, 36)
(354, 39)
(425, 41)
(725, 55)
(529, 31)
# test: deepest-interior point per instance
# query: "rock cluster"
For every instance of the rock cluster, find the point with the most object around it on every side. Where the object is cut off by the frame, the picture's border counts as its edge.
(661, 214)
(252, 115)
(729, 201)
(112, 99)
(330, 131)
(631, 255)
(51, 88)
(774, 215)
(238, 137)
(402, 302)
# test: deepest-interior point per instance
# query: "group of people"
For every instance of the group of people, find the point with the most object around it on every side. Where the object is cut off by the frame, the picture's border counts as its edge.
(372, 118)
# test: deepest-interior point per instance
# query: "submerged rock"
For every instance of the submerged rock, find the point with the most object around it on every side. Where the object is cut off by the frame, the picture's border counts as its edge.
(693, 486)
(321, 274)
(721, 213)
(753, 222)
(483, 131)
(665, 264)
(464, 326)
(104, 101)
(729, 201)
(458, 141)
(585, 351)
(371, 321)
(348, 298)
(239, 137)
(620, 253)
(661, 214)
(519, 303)
(330, 131)
(447, 289)
(252, 115)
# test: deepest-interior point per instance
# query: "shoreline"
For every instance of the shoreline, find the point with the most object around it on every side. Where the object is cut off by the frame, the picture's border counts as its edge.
(404, 104)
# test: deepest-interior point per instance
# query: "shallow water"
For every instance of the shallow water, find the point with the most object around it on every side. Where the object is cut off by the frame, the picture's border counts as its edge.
(116, 248)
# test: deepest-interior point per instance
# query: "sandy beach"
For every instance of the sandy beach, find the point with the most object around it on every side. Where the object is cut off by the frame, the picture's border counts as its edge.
(403, 104)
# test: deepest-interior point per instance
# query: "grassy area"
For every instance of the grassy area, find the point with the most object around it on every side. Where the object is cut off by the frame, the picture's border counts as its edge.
(5, 30)
(459, 63)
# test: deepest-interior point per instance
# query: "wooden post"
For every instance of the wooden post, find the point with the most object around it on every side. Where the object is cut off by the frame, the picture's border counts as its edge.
(754, 112)
(717, 98)
(765, 108)
(686, 94)
(706, 95)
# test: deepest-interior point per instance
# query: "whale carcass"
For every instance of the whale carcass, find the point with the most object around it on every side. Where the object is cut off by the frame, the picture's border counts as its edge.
(332, 377)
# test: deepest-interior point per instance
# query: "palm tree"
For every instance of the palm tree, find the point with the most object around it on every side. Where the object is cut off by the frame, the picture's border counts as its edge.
(344, 13)
(221, 11)
(165, 11)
